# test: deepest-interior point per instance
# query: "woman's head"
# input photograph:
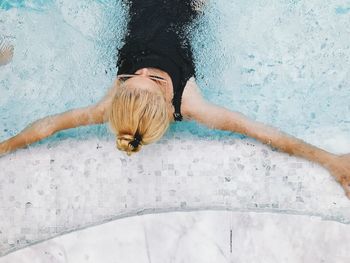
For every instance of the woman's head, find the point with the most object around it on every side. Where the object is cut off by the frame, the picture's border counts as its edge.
(137, 112)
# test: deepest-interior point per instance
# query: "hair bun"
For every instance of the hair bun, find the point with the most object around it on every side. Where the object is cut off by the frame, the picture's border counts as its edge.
(129, 143)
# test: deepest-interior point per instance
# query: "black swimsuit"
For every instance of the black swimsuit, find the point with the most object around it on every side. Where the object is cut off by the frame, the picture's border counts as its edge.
(156, 38)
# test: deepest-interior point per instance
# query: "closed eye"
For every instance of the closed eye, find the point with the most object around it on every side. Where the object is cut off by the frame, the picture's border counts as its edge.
(158, 82)
(157, 77)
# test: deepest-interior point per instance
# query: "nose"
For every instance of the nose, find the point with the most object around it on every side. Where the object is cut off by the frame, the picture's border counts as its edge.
(143, 72)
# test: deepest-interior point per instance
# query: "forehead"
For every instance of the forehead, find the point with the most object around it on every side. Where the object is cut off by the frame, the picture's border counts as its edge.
(141, 82)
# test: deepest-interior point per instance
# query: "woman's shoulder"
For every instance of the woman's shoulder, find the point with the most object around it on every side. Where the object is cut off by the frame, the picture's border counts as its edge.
(192, 85)
(191, 98)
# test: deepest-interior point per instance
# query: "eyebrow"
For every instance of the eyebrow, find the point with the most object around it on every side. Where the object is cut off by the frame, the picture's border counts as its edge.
(157, 77)
(154, 76)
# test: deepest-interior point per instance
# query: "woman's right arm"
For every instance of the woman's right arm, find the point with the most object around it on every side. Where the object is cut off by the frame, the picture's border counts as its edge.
(217, 117)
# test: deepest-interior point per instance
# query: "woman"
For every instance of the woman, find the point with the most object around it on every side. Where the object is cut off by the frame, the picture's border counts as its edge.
(155, 86)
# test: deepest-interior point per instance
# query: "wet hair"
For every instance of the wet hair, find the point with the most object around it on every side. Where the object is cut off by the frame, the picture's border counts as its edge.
(138, 117)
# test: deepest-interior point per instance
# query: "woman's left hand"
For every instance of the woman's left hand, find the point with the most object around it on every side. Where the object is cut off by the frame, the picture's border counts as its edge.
(4, 148)
(340, 169)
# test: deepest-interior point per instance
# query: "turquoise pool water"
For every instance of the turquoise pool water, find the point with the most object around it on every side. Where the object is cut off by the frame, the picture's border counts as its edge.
(284, 63)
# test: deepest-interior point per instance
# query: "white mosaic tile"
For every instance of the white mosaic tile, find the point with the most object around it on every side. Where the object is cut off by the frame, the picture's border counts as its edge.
(47, 191)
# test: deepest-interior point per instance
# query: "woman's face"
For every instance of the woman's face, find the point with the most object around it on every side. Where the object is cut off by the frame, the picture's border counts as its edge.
(144, 82)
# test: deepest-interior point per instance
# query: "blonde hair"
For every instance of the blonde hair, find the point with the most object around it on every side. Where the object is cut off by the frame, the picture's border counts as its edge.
(136, 110)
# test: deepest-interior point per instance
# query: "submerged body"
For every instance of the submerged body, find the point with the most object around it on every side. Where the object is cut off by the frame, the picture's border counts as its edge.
(144, 57)
(157, 38)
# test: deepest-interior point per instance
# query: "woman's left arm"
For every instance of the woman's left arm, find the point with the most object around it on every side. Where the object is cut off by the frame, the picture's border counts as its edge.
(217, 117)
(49, 125)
